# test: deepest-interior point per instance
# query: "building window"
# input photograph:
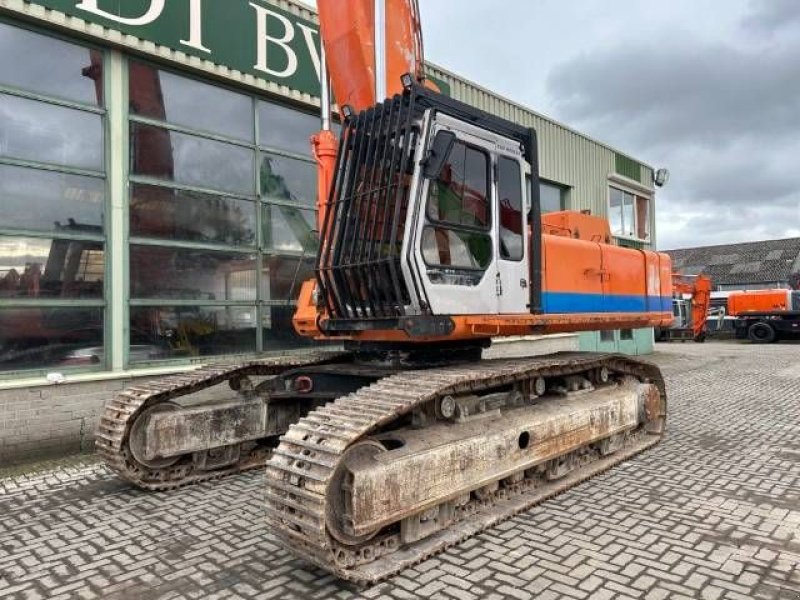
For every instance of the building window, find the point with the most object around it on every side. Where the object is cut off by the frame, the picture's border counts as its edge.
(552, 197)
(52, 202)
(222, 217)
(626, 334)
(607, 335)
(629, 214)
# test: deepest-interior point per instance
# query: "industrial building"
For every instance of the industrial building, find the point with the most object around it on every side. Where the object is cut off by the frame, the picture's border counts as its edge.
(745, 266)
(157, 195)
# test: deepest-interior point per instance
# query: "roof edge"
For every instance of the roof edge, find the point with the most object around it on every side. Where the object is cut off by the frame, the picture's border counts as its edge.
(731, 244)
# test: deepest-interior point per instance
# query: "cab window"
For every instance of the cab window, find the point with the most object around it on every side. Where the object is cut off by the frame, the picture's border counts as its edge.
(456, 244)
(460, 195)
(509, 194)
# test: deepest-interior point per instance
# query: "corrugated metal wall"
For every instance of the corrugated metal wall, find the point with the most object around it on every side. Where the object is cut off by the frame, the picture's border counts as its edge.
(566, 156)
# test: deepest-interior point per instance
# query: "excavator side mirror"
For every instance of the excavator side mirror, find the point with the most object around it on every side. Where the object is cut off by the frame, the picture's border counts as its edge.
(438, 154)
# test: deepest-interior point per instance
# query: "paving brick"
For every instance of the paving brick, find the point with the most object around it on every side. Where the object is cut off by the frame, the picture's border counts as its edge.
(709, 513)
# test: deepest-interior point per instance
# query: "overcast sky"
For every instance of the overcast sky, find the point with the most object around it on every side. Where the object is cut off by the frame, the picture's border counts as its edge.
(707, 88)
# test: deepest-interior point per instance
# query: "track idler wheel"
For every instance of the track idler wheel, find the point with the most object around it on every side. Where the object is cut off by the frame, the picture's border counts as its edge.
(655, 411)
(137, 440)
(339, 510)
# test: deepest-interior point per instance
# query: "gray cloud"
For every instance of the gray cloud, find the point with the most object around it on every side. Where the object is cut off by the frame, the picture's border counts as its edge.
(772, 16)
(690, 92)
(721, 114)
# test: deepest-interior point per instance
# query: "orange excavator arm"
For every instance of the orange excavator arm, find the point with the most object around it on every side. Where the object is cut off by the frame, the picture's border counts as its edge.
(699, 288)
(348, 32)
(347, 28)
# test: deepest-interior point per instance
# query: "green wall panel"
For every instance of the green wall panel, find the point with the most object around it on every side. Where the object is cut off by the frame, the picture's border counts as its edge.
(642, 342)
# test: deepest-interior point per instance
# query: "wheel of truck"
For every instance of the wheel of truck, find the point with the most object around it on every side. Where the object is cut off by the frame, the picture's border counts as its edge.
(761, 333)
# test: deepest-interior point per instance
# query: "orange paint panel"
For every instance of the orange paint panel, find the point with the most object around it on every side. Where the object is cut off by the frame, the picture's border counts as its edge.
(571, 266)
(576, 225)
(625, 270)
(665, 266)
(348, 33)
(758, 300)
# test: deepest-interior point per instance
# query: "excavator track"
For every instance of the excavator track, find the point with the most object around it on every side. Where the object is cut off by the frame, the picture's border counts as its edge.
(121, 412)
(303, 480)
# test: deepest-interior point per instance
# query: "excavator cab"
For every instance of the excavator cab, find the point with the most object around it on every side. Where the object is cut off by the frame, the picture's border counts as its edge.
(426, 217)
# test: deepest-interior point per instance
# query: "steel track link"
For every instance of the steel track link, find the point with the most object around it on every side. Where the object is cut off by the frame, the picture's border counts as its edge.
(121, 412)
(301, 470)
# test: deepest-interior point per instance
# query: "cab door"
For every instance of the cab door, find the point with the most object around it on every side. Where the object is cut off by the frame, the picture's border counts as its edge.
(511, 235)
(454, 240)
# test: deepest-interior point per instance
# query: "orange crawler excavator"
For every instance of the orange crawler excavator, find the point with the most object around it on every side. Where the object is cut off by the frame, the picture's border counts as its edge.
(431, 243)
(689, 315)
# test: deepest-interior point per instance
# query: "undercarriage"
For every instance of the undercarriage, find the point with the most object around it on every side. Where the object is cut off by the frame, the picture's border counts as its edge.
(203, 425)
(373, 467)
(387, 476)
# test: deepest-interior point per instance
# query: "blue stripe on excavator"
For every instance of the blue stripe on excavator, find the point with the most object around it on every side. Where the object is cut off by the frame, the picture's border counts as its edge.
(567, 302)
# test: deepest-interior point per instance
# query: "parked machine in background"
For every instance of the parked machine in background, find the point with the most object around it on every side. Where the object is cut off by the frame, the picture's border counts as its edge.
(691, 301)
(765, 316)
(431, 243)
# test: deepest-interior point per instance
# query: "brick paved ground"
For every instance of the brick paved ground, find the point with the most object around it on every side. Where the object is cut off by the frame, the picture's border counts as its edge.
(713, 512)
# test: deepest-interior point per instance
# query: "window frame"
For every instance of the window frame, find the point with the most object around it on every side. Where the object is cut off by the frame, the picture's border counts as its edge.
(484, 231)
(261, 304)
(489, 179)
(563, 191)
(485, 234)
(104, 237)
(647, 196)
(524, 210)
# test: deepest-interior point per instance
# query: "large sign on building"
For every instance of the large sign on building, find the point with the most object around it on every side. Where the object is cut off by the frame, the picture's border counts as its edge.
(251, 36)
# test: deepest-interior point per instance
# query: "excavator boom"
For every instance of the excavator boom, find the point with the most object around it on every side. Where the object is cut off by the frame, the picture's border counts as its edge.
(348, 31)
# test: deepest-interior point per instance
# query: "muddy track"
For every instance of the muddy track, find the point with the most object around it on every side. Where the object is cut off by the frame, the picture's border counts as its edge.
(122, 411)
(302, 468)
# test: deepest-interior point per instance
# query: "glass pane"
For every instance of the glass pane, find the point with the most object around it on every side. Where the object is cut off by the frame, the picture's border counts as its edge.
(455, 248)
(44, 268)
(509, 192)
(181, 215)
(49, 66)
(460, 194)
(277, 330)
(42, 132)
(47, 201)
(167, 97)
(282, 277)
(38, 338)
(158, 272)
(607, 335)
(628, 220)
(191, 160)
(288, 180)
(181, 331)
(550, 198)
(642, 218)
(286, 128)
(615, 212)
(290, 229)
